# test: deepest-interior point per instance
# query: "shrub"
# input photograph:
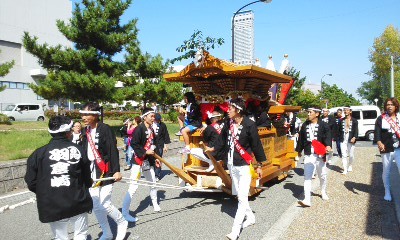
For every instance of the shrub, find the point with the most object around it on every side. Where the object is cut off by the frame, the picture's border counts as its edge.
(4, 119)
(172, 116)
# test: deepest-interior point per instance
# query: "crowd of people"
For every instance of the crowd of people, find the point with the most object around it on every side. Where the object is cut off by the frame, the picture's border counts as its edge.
(74, 173)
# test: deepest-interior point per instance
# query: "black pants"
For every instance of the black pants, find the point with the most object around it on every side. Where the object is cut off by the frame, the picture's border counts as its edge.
(338, 147)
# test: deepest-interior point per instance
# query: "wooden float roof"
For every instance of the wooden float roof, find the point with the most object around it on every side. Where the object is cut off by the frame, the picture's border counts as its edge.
(214, 76)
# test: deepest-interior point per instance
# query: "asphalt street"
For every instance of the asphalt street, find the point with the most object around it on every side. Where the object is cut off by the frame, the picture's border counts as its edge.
(184, 215)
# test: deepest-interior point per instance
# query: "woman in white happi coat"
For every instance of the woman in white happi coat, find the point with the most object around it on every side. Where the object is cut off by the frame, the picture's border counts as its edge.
(348, 133)
(311, 130)
(143, 163)
(387, 135)
(240, 136)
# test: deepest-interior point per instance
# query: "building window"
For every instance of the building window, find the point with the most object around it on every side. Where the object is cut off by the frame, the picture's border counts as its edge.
(15, 85)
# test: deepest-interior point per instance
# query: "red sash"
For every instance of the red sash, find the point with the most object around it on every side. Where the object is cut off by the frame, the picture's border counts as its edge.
(243, 153)
(217, 127)
(99, 160)
(392, 124)
(139, 160)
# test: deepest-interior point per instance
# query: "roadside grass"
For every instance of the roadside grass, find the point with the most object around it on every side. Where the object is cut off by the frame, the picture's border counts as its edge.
(19, 140)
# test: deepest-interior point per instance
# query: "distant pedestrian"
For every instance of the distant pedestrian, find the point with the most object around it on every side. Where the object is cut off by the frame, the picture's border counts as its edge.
(101, 146)
(387, 136)
(330, 120)
(59, 174)
(314, 135)
(348, 133)
(77, 133)
(336, 135)
(161, 142)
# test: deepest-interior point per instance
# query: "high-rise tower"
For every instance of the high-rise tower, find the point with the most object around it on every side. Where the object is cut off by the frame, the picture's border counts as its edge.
(244, 38)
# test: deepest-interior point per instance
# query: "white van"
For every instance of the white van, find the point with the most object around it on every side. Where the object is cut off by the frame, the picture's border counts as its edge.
(24, 112)
(366, 116)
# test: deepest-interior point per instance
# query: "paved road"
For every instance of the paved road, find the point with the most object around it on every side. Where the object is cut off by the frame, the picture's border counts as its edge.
(184, 215)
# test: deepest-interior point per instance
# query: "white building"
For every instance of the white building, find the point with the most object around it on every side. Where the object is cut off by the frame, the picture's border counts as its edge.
(244, 38)
(314, 88)
(38, 17)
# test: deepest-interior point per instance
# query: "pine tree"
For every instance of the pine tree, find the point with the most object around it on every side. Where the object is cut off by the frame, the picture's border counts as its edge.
(4, 70)
(88, 71)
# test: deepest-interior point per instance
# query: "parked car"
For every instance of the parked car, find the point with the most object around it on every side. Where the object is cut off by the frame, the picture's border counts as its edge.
(24, 112)
(366, 116)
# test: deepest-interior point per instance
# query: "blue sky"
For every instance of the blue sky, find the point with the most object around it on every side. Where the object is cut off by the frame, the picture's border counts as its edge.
(319, 36)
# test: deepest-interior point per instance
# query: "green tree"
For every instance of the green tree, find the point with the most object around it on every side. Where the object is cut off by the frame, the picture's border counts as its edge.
(336, 96)
(195, 43)
(388, 44)
(307, 99)
(4, 70)
(292, 98)
(88, 71)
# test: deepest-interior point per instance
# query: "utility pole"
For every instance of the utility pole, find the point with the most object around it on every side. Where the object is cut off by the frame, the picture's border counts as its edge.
(392, 79)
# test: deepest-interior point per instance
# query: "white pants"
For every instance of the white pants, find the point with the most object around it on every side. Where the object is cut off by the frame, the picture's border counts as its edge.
(347, 154)
(310, 163)
(387, 163)
(241, 180)
(60, 228)
(198, 153)
(102, 207)
(149, 175)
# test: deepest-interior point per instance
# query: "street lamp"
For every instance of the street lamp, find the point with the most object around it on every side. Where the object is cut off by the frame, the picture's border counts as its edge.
(330, 75)
(376, 101)
(233, 24)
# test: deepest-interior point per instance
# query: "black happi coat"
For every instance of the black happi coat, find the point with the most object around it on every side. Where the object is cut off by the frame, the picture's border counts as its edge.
(384, 135)
(59, 174)
(336, 129)
(323, 135)
(248, 139)
(162, 137)
(139, 139)
(106, 144)
(353, 132)
(210, 137)
(331, 122)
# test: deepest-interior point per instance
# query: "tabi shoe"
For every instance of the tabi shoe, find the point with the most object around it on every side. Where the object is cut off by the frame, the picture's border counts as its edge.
(388, 196)
(130, 218)
(304, 203)
(324, 196)
(178, 134)
(350, 169)
(210, 168)
(329, 162)
(248, 223)
(231, 236)
(121, 230)
(344, 172)
(314, 176)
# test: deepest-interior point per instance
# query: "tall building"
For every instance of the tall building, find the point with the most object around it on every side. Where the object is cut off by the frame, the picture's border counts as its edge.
(37, 17)
(244, 38)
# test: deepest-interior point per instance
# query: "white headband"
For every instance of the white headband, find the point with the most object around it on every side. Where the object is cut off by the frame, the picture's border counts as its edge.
(63, 128)
(90, 112)
(147, 113)
(314, 109)
(236, 106)
(211, 115)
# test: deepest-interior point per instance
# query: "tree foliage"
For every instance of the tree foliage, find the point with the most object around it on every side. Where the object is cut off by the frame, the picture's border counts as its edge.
(336, 96)
(88, 71)
(195, 43)
(295, 91)
(4, 70)
(385, 46)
